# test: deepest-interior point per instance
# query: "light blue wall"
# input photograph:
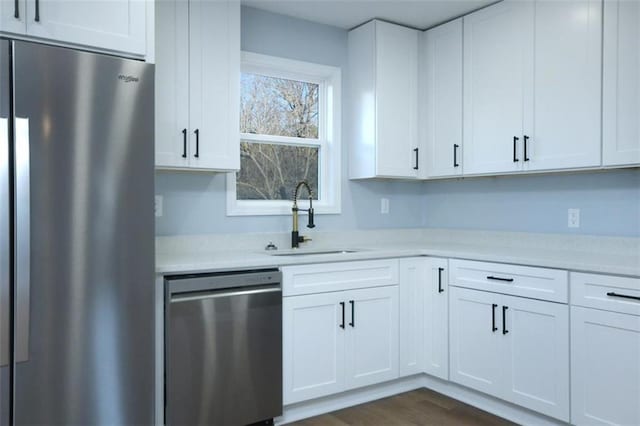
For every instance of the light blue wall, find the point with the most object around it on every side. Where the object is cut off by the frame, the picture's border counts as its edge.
(196, 203)
(609, 201)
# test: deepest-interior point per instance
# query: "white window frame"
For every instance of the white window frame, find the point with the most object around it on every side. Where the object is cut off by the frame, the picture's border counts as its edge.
(329, 130)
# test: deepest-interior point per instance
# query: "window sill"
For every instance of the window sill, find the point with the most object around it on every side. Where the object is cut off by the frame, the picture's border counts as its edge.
(265, 208)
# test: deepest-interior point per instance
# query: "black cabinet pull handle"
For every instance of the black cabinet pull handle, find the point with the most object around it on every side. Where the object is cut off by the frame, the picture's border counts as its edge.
(504, 320)
(526, 156)
(197, 132)
(184, 143)
(493, 318)
(491, 277)
(455, 155)
(37, 17)
(440, 270)
(16, 9)
(353, 313)
(623, 296)
(515, 149)
(342, 305)
(416, 151)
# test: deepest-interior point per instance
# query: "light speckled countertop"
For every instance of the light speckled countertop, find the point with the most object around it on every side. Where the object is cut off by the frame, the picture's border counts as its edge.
(609, 255)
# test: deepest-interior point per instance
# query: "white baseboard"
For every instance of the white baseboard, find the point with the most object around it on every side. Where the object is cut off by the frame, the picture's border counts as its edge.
(514, 413)
(315, 407)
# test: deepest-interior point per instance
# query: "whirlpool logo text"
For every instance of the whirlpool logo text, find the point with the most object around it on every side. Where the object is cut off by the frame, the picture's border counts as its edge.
(128, 78)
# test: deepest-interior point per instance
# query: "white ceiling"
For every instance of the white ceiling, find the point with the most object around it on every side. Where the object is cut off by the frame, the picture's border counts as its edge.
(347, 14)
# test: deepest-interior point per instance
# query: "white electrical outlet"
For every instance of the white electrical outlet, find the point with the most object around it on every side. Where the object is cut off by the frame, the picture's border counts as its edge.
(384, 205)
(158, 206)
(574, 218)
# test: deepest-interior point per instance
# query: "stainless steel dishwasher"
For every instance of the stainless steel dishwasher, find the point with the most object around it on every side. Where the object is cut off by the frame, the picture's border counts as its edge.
(223, 348)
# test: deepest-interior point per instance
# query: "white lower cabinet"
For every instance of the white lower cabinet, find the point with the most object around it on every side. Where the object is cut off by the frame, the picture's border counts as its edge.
(313, 346)
(605, 367)
(424, 318)
(436, 319)
(513, 348)
(372, 336)
(333, 342)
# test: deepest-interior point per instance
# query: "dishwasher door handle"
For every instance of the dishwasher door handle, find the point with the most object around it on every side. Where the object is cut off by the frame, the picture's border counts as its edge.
(189, 297)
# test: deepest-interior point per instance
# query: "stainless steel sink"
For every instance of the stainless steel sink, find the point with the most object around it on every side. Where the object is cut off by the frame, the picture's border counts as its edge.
(311, 252)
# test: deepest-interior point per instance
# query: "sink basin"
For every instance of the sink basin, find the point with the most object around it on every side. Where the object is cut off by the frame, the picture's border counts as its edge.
(311, 252)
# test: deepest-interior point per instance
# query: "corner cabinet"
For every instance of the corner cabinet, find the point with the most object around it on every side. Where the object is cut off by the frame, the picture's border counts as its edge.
(441, 100)
(117, 25)
(383, 63)
(198, 85)
(621, 79)
(532, 86)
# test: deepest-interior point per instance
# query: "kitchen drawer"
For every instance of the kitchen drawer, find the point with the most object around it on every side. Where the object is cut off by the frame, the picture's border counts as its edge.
(324, 277)
(606, 292)
(524, 281)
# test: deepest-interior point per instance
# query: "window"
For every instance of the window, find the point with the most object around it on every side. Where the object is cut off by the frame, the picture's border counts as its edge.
(289, 131)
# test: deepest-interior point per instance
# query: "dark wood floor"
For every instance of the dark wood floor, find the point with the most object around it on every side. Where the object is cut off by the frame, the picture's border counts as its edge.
(419, 407)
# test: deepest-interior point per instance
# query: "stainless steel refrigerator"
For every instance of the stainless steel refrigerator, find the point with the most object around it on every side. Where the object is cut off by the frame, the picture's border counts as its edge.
(76, 237)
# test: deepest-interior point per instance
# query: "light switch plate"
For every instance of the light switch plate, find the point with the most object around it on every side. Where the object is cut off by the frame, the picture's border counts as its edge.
(384, 205)
(158, 205)
(574, 218)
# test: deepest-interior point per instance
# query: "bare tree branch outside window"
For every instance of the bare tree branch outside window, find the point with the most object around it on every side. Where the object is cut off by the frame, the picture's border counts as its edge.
(277, 107)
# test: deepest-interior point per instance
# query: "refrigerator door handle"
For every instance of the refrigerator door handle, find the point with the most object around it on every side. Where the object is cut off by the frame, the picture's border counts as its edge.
(4, 244)
(22, 239)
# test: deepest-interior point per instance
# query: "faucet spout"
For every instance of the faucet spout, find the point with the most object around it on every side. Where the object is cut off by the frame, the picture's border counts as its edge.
(296, 239)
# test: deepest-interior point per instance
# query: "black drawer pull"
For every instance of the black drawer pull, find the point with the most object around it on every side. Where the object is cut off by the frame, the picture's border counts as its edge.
(353, 313)
(16, 9)
(491, 277)
(493, 318)
(623, 296)
(455, 155)
(504, 320)
(197, 132)
(342, 305)
(416, 151)
(37, 17)
(515, 149)
(440, 289)
(526, 156)
(184, 143)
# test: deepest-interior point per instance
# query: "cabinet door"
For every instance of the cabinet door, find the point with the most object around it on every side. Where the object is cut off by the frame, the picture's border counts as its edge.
(605, 367)
(621, 78)
(214, 80)
(172, 83)
(537, 356)
(441, 77)
(436, 319)
(13, 16)
(476, 350)
(396, 100)
(563, 129)
(118, 25)
(313, 346)
(372, 336)
(498, 65)
(413, 281)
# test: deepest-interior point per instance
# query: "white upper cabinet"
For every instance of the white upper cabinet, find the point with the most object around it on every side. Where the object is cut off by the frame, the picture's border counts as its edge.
(563, 124)
(532, 85)
(383, 62)
(198, 85)
(116, 25)
(621, 78)
(441, 100)
(498, 63)
(214, 84)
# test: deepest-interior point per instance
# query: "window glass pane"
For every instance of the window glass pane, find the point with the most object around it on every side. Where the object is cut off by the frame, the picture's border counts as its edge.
(279, 107)
(271, 172)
